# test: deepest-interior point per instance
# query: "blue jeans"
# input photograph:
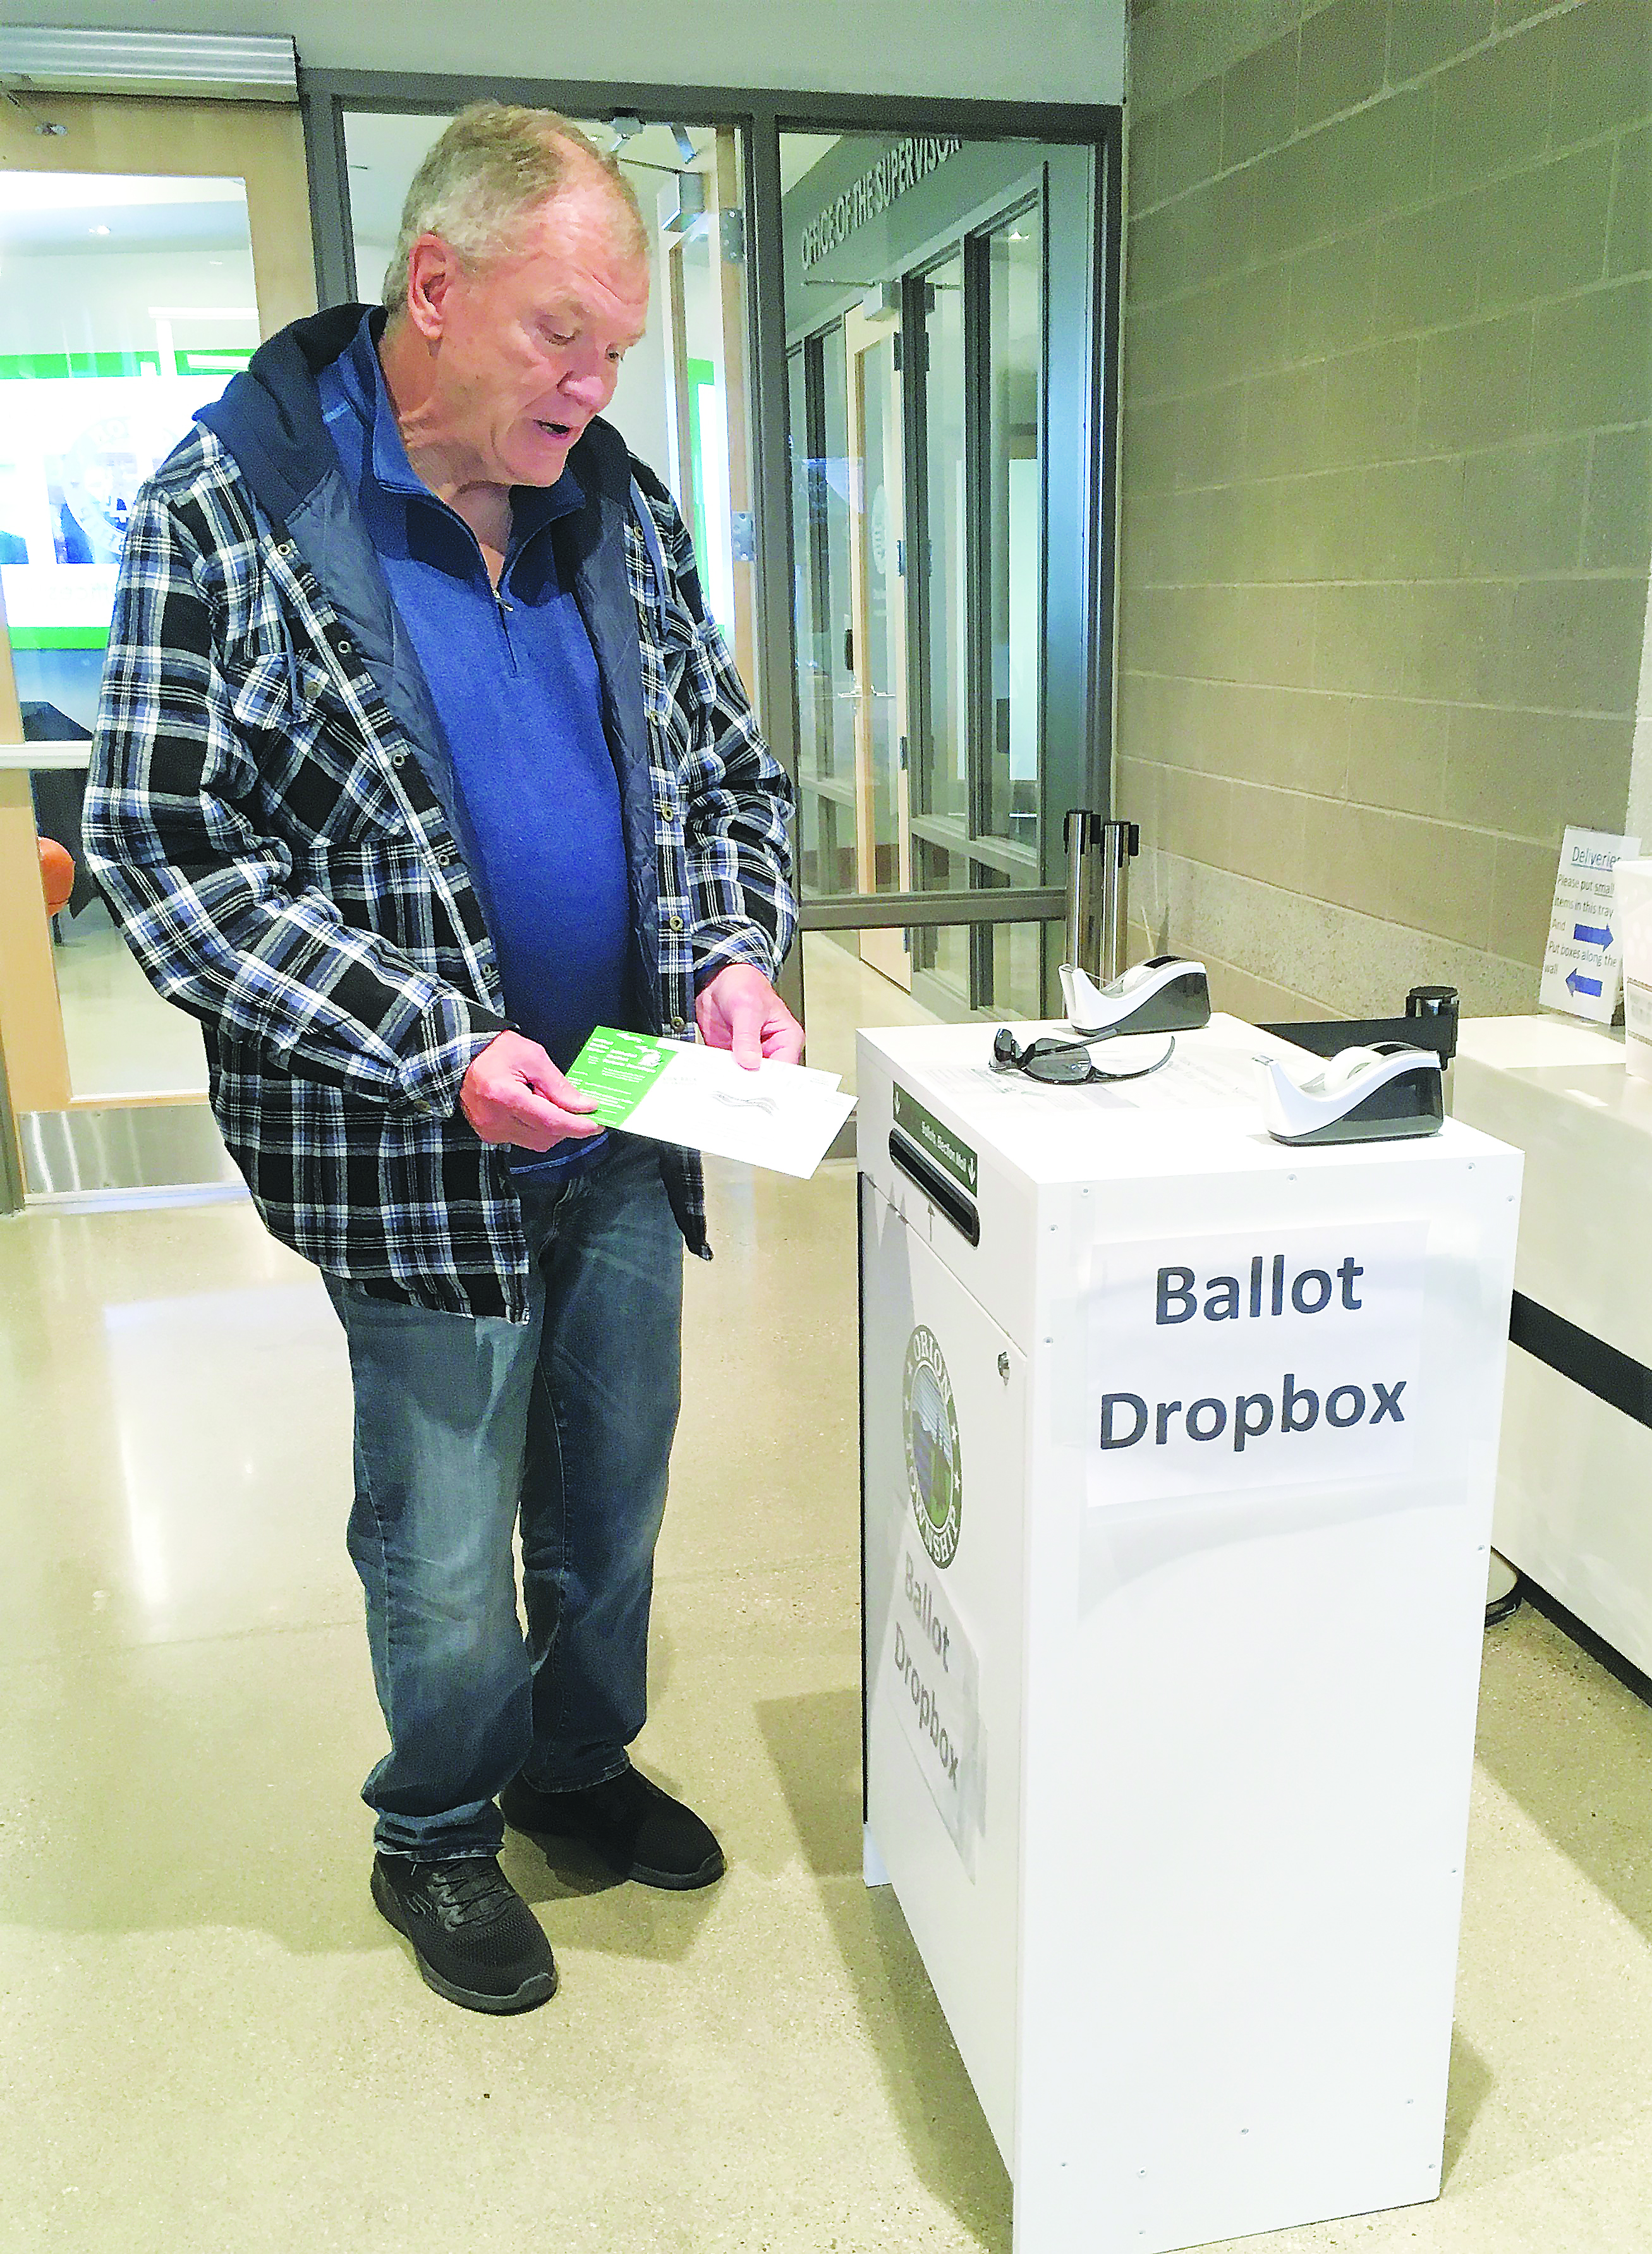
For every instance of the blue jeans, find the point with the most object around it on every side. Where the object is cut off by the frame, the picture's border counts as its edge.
(466, 1426)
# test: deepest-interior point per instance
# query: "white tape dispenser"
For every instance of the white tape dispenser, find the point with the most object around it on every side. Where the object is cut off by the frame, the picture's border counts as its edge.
(1168, 995)
(1374, 1095)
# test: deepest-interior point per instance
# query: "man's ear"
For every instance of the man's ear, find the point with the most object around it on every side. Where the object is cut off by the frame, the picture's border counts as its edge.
(432, 266)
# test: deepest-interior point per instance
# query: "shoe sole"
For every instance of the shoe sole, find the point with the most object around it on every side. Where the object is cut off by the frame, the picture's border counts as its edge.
(537, 1989)
(675, 1882)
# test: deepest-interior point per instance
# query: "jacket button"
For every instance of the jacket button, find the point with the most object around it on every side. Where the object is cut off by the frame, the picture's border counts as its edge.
(678, 1024)
(343, 646)
(398, 758)
(445, 856)
(676, 923)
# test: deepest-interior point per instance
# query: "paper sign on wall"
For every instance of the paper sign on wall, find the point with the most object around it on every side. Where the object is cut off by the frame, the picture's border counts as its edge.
(1583, 961)
(1288, 1355)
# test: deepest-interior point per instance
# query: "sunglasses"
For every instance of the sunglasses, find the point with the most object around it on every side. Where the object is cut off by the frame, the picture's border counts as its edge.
(1063, 1064)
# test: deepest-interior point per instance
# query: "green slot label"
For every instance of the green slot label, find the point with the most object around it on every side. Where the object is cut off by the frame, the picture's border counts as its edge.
(939, 1143)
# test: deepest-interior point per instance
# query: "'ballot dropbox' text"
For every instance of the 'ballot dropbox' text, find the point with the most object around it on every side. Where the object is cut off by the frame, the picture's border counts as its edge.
(1299, 1356)
(931, 1676)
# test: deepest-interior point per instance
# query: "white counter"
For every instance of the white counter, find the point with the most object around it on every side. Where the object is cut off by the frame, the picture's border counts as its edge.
(1574, 1502)
(44, 758)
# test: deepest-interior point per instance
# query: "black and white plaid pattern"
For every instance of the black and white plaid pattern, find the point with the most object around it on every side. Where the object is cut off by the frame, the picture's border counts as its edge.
(264, 831)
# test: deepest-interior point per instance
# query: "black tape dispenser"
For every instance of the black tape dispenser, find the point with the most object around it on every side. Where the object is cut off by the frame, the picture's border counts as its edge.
(1168, 995)
(1364, 1095)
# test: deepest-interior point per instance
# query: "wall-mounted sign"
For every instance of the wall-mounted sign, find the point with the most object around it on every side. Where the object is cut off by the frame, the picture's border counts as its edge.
(1583, 958)
(901, 168)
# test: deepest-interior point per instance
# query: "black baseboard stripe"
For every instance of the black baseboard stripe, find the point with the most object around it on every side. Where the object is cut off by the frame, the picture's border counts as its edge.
(1615, 1378)
(1622, 1384)
(1588, 1639)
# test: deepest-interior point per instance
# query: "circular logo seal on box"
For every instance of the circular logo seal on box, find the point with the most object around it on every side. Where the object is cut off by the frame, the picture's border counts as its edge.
(933, 1470)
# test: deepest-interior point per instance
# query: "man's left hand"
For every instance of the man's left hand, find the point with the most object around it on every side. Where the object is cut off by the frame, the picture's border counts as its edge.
(739, 1010)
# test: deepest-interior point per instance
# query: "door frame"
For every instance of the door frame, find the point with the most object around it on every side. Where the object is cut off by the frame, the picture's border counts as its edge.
(886, 947)
(721, 227)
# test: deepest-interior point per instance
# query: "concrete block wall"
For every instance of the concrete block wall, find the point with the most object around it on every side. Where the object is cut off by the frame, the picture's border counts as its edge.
(1386, 481)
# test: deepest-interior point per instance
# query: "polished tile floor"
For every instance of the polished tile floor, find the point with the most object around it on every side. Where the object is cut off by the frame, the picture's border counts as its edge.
(208, 2039)
(122, 1039)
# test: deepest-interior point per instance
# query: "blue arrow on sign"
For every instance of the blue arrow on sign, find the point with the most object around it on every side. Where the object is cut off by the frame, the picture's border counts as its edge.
(1591, 935)
(1583, 986)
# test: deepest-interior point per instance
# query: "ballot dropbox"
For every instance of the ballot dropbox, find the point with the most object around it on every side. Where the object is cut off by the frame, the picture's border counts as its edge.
(1178, 1451)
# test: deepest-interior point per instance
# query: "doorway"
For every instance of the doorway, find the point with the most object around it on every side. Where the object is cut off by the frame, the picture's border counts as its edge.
(926, 523)
(952, 866)
(149, 245)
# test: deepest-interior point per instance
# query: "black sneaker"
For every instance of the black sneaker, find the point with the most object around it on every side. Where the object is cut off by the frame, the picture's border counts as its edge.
(477, 1941)
(636, 1828)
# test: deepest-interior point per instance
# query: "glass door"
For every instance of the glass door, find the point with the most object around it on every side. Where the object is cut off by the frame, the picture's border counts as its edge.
(956, 281)
(877, 649)
(979, 604)
(146, 250)
(823, 512)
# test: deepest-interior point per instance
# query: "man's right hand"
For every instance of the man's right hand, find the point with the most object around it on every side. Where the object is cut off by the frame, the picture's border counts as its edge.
(514, 1094)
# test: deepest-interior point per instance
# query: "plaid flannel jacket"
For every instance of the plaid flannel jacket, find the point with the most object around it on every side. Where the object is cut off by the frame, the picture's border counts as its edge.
(270, 812)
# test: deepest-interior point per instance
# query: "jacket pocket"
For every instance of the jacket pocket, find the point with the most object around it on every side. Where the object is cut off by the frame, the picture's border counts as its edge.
(321, 780)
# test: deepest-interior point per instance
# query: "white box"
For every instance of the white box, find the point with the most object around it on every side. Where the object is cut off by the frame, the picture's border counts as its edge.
(1169, 1744)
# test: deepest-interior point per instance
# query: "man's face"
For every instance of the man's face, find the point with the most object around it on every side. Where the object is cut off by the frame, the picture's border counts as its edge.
(528, 349)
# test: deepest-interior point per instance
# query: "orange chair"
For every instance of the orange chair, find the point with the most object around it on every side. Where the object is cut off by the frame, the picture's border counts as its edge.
(57, 874)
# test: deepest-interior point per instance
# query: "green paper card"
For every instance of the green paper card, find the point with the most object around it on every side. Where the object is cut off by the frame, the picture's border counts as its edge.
(618, 1069)
(782, 1116)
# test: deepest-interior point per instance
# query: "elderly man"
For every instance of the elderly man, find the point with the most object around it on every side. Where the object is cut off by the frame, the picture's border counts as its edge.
(419, 757)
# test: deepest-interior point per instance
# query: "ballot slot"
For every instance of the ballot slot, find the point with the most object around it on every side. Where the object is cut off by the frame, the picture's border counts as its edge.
(946, 1196)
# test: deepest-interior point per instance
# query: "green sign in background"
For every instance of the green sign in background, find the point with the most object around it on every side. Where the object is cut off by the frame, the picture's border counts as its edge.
(26, 368)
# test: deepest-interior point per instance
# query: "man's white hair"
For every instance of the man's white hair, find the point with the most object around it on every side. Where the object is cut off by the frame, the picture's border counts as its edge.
(493, 165)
